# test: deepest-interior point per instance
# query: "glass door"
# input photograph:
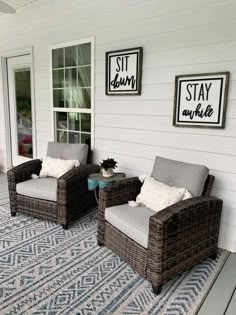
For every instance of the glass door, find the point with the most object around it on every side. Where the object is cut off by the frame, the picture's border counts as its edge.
(21, 109)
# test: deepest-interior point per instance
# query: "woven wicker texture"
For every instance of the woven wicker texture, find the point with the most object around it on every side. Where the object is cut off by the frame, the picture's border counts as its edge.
(180, 235)
(73, 197)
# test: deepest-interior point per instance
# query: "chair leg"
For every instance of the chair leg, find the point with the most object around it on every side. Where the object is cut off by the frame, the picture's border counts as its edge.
(99, 243)
(157, 289)
(213, 256)
(65, 226)
(13, 214)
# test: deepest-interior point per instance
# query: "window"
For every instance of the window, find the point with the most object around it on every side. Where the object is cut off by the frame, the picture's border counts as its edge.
(72, 85)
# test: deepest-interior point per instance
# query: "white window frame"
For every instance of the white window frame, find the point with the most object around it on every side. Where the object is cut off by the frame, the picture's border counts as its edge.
(75, 110)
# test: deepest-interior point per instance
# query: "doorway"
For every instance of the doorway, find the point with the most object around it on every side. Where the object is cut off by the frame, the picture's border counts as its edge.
(21, 109)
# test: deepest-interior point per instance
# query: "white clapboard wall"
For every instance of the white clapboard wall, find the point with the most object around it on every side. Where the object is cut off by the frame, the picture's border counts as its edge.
(178, 37)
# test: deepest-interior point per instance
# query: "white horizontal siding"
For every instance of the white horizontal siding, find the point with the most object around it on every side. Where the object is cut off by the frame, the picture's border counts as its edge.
(184, 140)
(178, 37)
(211, 160)
(164, 92)
(159, 123)
(155, 107)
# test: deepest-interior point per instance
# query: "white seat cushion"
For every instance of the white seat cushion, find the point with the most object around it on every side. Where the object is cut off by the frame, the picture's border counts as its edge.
(133, 222)
(41, 188)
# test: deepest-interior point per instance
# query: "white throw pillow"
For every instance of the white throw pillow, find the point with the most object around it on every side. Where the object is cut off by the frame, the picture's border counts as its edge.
(56, 167)
(187, 195)
(157, 196)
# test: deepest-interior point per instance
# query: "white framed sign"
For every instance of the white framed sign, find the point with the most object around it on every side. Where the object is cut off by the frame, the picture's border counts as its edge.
(124, 71)
(201, 100)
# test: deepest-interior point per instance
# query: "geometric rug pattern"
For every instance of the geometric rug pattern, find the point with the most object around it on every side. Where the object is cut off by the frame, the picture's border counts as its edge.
(45, 270)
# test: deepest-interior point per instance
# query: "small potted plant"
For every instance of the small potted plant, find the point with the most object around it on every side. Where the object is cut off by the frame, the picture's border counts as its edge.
(108, 166)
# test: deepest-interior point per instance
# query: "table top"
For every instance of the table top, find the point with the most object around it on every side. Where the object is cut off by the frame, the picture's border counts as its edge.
(114, 177)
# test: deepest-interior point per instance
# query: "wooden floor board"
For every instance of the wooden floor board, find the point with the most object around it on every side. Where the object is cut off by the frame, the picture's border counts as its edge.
(218, 299)
(231, 310)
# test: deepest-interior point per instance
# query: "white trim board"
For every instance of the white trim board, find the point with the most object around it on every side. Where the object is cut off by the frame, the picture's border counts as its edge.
(4, 56)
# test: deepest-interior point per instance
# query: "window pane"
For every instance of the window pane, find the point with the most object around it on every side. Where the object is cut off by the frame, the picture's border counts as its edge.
(71, 96)
(74, 137)
(62, 136)
(58, 98)
(84, 54)
(57, 58)
(68, 97)
(84, 98)
(61, 120)
(70, 78)
(86, 122)
(86, 138)
(58, 78)
(84, 76)
(74, 123)
(71, 56)
(78, 98)
(23, 112)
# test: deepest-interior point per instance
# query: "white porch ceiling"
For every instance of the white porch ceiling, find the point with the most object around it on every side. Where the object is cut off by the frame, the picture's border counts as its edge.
(18, 4)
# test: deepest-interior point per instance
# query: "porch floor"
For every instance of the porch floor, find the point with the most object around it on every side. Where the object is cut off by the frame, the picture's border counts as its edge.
(221, 298)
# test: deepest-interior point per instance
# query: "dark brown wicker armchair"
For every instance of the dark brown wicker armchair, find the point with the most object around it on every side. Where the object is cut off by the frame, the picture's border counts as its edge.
(180, 235)
(72, 195)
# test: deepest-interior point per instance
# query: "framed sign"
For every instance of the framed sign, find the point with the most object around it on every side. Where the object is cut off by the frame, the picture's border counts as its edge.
(200, 100)
(124, 71)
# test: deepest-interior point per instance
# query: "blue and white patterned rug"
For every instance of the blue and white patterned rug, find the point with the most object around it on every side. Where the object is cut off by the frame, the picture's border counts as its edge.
(45, 270)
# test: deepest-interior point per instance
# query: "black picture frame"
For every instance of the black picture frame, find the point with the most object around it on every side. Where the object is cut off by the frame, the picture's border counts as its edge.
(125, 76)
(200, 100)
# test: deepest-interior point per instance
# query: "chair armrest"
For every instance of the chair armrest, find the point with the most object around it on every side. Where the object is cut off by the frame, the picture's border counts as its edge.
(182, 235)
(73, 196)
(113, 195)
(185, 207)
(23, 171)
(20, 174)
(119, 193)
(70, 182)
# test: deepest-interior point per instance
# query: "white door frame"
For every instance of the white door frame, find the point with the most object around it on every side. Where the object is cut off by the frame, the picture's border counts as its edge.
(4, 57)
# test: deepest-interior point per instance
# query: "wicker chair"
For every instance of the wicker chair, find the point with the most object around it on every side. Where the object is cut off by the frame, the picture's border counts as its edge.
(179, 236)
(72, 197)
